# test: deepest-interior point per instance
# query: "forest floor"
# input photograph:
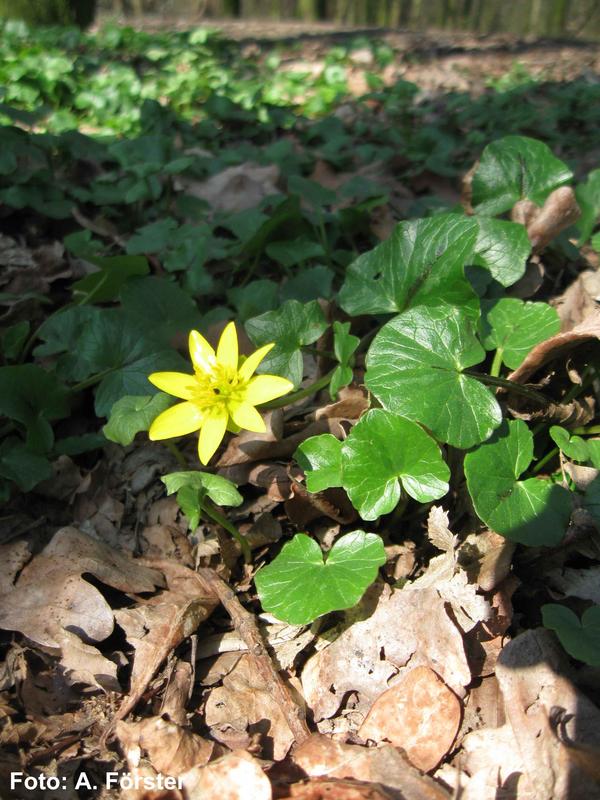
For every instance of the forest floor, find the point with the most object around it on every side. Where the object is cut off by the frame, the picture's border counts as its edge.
(133, 639)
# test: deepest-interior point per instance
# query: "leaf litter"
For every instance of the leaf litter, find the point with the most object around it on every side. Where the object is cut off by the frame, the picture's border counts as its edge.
(119, 650)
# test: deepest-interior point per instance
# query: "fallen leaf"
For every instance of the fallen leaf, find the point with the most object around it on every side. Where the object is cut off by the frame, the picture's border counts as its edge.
(579, 300)
(235, 188)
(170, 748)
(582, 583)
(321, 756)
(158, 626)
(236, 776)
(558, 212)
(376, 639)
(419, 714)
(247, 704)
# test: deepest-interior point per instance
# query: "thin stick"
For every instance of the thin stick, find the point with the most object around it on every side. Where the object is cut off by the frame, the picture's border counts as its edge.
(250, 634)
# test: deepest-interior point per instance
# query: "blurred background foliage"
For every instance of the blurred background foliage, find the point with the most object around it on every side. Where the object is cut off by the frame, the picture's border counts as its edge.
(525, 17)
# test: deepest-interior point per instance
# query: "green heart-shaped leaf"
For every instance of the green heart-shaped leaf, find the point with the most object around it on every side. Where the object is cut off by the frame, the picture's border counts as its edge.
(218, 489)
(515, 327)
(290, 327)
(573, 447)
(383, 453)
(299, 586)
(415, 368)
(534, 511)
(502, 247)
(132, 414)
(321, 459)
(580, 638)
(420, 264)
(515, 168)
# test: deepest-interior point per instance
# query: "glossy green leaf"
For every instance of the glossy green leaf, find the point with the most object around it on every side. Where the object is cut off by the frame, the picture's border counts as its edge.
(535, 511)
(588, 200)
(515, 168)
(308, 284)
(290, 327)
(321, 459)
(221, 491)
(160, 307)
(104, 285)
(422, 263)
(384, 453)
(33, 397)
(515, 327)
(299, 585)
(574, 447)
(132, 414)
(503, 248)
(21, 465)
(415, 368)
(580, 638)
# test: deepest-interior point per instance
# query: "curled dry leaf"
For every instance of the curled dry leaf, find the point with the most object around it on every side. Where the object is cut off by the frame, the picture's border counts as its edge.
(337, 790)
(235, 188)
(558, 212)
(376, 640)
(170, 748)
(419, 714)
(547, 364)
(321, 756)
(157, 627)
(51, 600)
(245, 702)
(579, 300)
(529, 673)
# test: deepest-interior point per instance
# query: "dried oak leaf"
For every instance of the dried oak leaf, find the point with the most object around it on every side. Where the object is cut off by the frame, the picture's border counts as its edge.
(246, 703)
(558, 212)
(547, 364)
(159, 625)
(321, 756)
(170, 748)
(376, 640)
(529, 674)
(54, 606)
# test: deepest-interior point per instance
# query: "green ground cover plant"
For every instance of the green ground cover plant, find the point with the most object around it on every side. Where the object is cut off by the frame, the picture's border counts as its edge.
(106, 140)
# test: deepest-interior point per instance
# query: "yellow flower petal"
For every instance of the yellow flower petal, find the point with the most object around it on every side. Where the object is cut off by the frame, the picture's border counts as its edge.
(246, 416)
(176, 383)
(264, 388)
(211, 434)
(176, 421)
(251, 363)
(227, 350)
(202, 354)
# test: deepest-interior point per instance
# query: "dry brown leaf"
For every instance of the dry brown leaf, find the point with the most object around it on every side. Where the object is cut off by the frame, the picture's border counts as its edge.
(325, 789)
(157, 627)
(236, 776)
(170, 748)
(558, 212)
(376, 640)
(547, 363)
(244, 702)
(321, 756)
(438, 532)
(529, 673)
(352, 402)
(235, 188)
(51, 600)
(579, 300)
(582, 583)
(13, 557)
(419, 714)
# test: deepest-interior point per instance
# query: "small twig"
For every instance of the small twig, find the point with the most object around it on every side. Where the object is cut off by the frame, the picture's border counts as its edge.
(250, 634)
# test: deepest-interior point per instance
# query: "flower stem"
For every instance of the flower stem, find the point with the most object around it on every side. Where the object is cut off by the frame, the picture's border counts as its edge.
(176, 452)
(220, 519)
(543, 461)
(517, 388)
(497, 363)
(313, 388)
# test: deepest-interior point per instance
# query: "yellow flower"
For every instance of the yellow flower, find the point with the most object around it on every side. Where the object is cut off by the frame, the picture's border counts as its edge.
(220, 395)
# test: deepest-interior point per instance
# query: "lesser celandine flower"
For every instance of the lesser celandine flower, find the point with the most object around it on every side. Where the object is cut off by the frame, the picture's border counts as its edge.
(221, 394)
